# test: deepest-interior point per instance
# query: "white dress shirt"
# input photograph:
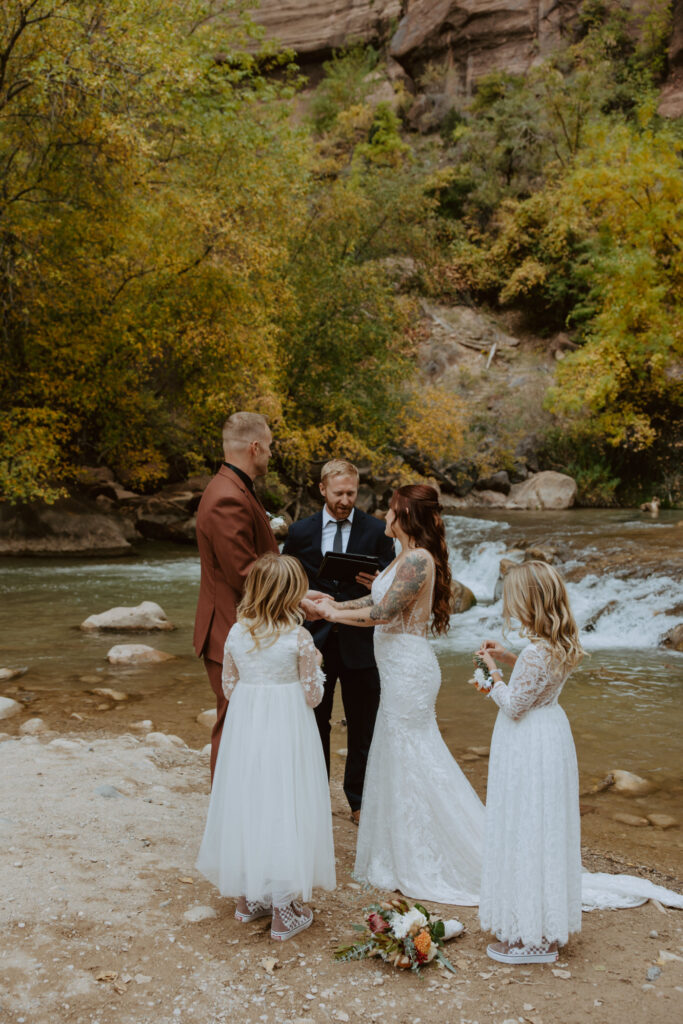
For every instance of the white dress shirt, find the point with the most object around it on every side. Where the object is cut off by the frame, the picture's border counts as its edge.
(330, 529)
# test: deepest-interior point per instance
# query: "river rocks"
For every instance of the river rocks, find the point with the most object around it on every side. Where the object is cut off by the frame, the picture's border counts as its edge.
(207, 718)
(146, 726)
(499, 481)
(136, 654)
(594, 619)
(673, 638)
(628, 784)
(9, 707)
(546, 490)
(105, 691)
(663, 821)
(32, 727)
(65, 746)
(631, 819)
(145, 616)
(490, 499)
(166, 518)
(62, 529)
(462, 596)
(7, 674)
(164, 740)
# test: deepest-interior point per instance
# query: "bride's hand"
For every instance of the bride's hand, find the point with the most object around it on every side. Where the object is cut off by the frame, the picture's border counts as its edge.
(326, 608)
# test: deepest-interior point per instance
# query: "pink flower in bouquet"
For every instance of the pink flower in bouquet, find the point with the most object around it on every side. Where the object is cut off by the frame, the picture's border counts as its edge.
(376, 922)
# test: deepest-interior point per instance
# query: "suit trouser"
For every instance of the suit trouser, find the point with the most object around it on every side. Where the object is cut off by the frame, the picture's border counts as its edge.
(360, 697)
(214, 671)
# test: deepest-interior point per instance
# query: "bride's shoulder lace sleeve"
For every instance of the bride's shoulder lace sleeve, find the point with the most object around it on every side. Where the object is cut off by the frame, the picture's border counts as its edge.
(311, 676)
(230, 676)
(410, 576)
(528, 681)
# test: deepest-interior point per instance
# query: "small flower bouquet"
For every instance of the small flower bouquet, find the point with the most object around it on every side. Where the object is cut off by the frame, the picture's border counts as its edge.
(404, 936)
(482, 675)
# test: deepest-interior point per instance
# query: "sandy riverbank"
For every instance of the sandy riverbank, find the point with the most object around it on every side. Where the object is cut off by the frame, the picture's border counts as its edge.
(96, 888)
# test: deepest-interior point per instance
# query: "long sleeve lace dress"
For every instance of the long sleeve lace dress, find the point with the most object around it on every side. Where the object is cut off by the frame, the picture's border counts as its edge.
(531, 869)
(269, 826)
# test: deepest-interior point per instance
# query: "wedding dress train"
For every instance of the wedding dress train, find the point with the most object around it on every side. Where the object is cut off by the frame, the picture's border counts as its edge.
(421, 827)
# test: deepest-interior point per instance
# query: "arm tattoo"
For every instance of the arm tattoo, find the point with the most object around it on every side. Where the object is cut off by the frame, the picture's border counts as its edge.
(360, 602)
(402, 592)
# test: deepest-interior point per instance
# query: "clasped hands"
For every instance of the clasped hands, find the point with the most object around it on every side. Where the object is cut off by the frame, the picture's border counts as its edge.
(317, 605)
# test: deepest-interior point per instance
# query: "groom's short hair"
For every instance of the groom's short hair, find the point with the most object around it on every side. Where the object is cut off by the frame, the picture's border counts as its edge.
(338, 467)
(244, 427)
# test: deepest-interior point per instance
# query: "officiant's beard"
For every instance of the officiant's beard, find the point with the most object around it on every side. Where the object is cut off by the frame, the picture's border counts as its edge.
(340, 493)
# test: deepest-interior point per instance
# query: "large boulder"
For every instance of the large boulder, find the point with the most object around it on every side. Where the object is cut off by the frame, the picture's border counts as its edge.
(68, 528)
(462, 596)
(673, 639)
(546, 490)
(136, 654)
(146, 615)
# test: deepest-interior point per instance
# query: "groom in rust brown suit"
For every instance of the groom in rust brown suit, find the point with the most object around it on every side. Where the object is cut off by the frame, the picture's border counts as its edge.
(232, 532)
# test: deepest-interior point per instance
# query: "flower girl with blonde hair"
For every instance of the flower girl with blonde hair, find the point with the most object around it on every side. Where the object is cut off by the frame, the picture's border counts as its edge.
(268, 836)
(531, 867)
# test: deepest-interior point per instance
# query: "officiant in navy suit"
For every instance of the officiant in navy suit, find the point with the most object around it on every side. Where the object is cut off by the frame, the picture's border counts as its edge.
(348, 654)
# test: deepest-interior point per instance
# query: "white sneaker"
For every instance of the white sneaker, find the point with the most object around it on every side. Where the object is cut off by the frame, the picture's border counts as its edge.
(254, 910)
(505, 954)
(295, 918)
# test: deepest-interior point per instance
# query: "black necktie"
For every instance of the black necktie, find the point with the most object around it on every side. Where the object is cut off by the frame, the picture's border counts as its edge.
(337, 542)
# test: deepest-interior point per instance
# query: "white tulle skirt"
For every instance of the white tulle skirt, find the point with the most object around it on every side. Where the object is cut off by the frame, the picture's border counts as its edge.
(269, 825)
(531, 872)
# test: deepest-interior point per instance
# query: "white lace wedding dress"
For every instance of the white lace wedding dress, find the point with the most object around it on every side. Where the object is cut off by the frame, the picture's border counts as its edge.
(422, 825)
(268, 832)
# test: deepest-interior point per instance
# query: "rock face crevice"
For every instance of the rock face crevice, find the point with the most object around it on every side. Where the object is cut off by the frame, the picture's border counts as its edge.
(316, 27)
(480, 36)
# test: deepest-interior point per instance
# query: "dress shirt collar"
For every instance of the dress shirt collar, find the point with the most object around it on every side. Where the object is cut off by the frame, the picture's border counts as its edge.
(244, 477)
(327, 518)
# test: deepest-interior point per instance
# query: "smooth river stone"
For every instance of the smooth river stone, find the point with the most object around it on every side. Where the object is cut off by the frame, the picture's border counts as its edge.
(136, 654)
(631, 819)
(9, 707)
(207, 718)
(6, 674)
(115, 695)
(147, 615)
(628, 784)
(162, 739)
(662, 821)
(32, 727)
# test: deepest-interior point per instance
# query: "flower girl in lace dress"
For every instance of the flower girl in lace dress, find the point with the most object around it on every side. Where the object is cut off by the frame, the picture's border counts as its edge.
(531, 870)
(268, 836)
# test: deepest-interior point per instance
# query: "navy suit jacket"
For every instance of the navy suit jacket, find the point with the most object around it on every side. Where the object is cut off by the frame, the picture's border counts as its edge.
(367, 537)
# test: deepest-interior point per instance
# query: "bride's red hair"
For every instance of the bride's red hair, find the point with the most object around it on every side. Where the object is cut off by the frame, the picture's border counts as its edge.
(418, 512)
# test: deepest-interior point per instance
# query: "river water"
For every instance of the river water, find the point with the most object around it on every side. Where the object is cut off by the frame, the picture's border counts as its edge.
(625, 702)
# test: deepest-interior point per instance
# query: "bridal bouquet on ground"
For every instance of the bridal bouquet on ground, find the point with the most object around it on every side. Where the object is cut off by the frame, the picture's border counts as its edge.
(404, 936)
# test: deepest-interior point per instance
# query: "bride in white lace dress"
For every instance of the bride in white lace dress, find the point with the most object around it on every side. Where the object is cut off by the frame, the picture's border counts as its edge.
(422, 824)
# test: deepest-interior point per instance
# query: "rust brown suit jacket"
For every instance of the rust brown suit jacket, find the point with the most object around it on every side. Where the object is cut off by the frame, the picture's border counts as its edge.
(232, 532)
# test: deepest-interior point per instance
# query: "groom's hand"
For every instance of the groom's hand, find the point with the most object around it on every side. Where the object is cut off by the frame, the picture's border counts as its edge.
(365, 579)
